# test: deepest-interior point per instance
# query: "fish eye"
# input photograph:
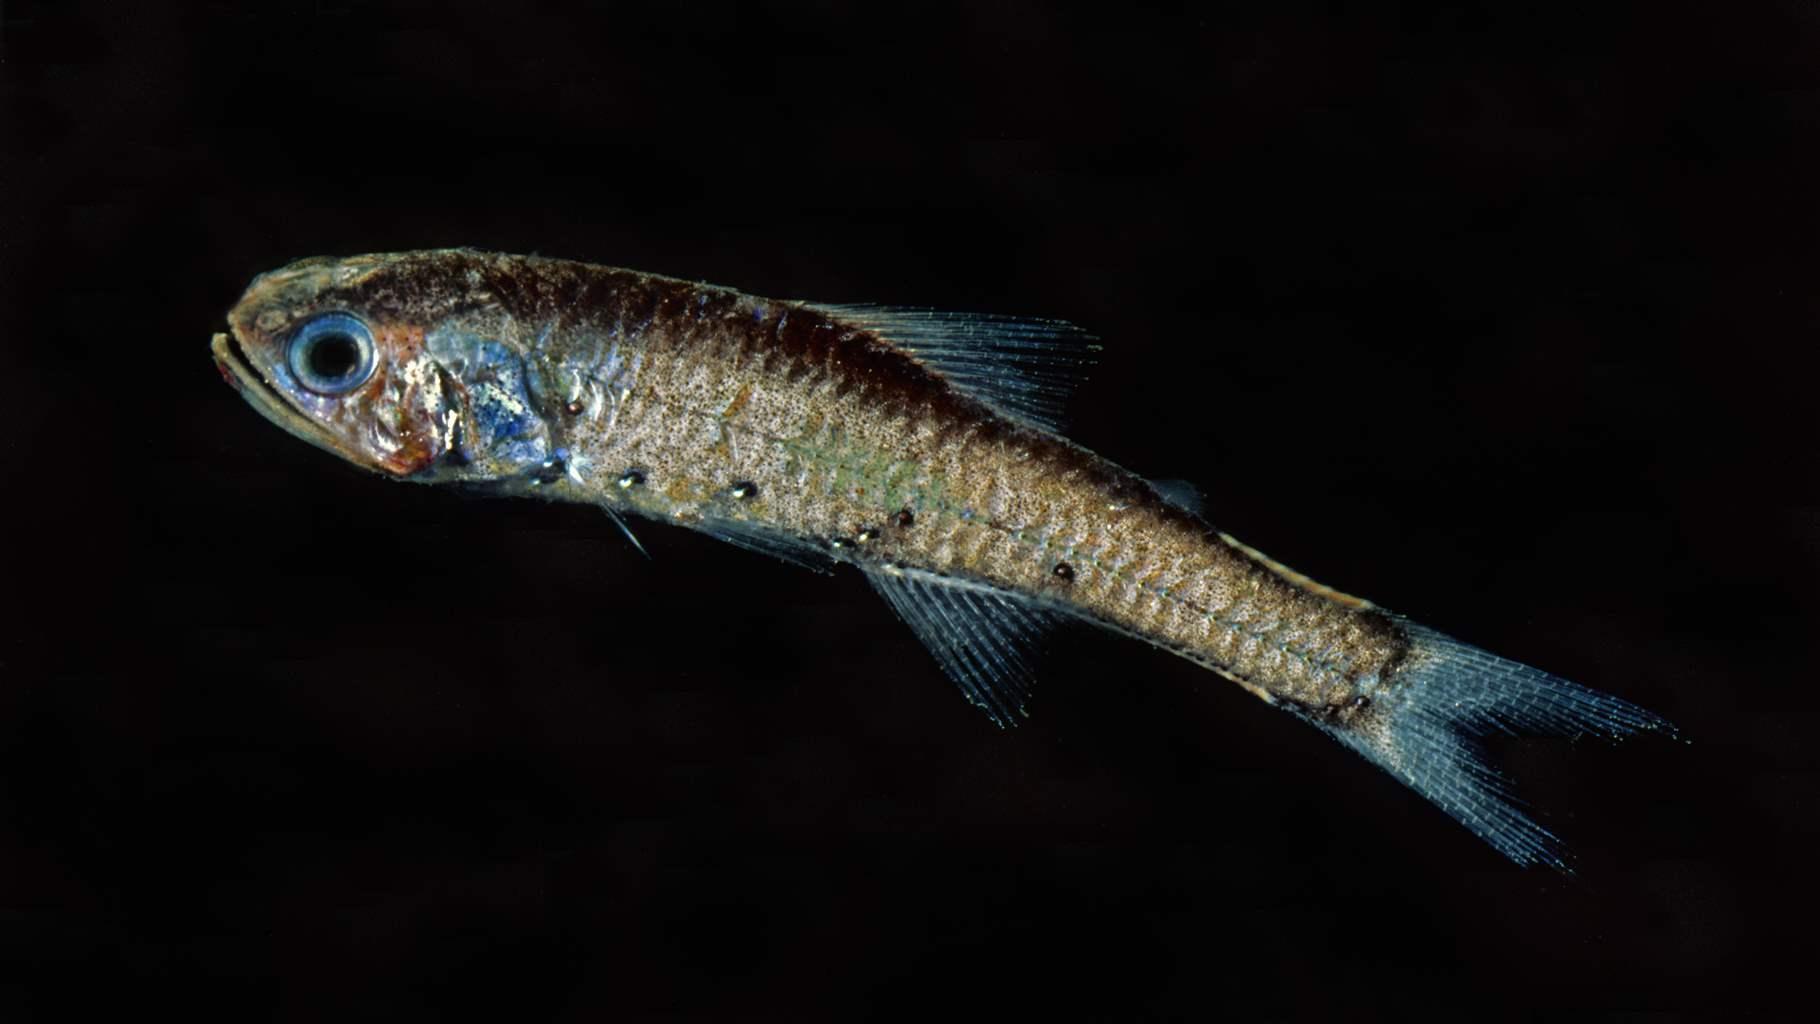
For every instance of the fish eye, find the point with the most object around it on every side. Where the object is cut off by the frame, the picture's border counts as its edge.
(332, 353)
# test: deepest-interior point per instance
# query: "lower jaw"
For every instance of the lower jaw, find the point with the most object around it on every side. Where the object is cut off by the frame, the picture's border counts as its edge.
(243, 378)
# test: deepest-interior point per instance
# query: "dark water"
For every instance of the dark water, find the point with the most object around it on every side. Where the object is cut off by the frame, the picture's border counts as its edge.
(1503, 321)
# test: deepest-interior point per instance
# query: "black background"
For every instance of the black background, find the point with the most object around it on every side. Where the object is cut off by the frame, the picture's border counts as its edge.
(1503, 319)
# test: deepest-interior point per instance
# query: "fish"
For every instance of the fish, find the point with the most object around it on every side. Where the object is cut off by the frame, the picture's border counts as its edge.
(921, 447)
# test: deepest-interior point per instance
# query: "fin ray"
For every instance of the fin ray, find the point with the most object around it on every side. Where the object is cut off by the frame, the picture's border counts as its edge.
(1428, 724)
(1182, 495)
(620, 521)
(1024, 367)
(765, 541)
(982, 637)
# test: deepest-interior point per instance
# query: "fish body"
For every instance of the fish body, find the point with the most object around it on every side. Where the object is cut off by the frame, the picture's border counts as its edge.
(919, 447)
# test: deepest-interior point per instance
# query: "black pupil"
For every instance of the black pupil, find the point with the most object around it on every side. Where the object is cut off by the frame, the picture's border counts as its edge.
(333, 356)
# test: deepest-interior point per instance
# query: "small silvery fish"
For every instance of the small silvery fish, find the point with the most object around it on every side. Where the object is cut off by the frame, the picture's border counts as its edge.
(918, 447)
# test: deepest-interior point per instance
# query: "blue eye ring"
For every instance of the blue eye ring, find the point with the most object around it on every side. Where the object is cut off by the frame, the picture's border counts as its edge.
(332, 353)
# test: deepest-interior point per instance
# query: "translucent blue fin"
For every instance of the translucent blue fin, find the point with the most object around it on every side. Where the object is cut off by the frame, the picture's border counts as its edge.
(983, 637)
(1425, 725)
(1023, 367)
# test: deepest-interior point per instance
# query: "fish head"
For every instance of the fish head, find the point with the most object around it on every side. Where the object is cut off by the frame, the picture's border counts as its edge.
(404, 364)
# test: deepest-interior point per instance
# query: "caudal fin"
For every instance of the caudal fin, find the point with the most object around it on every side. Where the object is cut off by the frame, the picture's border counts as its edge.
(1426, 726)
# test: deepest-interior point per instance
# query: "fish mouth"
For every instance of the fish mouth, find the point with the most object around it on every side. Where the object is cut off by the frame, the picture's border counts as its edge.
(240, 374)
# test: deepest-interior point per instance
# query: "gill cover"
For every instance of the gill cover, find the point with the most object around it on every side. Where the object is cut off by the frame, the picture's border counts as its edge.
(503, 433)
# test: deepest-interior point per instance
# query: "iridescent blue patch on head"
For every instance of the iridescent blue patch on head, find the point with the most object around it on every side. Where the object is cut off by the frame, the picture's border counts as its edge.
(505, 425)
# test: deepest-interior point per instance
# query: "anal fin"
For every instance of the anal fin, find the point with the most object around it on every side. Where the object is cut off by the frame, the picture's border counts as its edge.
(982, 636)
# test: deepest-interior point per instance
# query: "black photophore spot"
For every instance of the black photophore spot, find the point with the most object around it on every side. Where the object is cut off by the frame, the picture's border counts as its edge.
(549, 471)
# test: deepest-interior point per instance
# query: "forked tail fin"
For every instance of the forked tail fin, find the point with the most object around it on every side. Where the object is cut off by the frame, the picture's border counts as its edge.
(1425, 728)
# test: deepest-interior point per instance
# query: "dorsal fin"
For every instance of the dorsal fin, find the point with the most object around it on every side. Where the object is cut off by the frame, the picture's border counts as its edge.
(1023, 367)
(982, 636)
